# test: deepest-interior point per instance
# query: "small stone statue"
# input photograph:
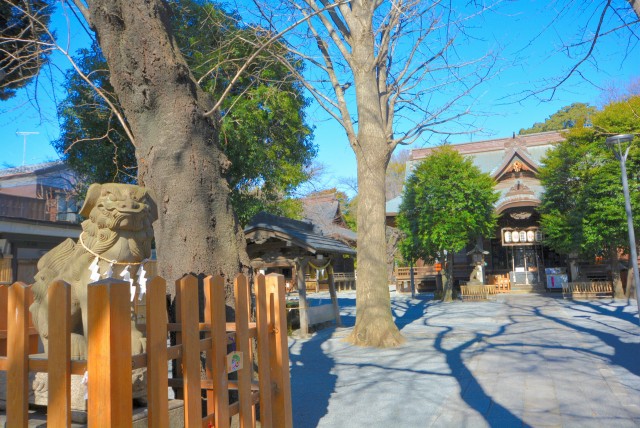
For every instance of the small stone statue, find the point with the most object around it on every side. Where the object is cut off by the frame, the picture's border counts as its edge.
(476, 276)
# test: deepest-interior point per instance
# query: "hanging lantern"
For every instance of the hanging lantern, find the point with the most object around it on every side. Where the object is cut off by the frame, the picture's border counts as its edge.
(507, 237)
(538, 235)
(523, 236)
(515, 236)
(530, 236)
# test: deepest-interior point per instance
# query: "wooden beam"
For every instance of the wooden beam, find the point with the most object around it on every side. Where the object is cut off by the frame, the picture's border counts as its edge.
(334, 297)
(301, 268)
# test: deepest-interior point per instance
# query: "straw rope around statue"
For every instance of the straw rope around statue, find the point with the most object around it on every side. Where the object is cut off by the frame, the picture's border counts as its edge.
(141, 279)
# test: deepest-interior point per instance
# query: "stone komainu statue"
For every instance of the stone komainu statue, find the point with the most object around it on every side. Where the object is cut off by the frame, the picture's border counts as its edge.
(116, 234)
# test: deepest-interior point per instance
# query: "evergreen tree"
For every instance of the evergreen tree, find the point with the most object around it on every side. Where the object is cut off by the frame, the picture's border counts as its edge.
(447, 203)
(262, 132)
(582, 208)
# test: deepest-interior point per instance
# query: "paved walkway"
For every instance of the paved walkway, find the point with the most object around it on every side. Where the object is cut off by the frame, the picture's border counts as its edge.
(522, 360)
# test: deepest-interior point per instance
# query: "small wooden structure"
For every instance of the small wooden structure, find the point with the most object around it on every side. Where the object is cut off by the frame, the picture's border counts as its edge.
(476, 292)
(421, 274)
(110, 363)
(277, 242)
(587, 290)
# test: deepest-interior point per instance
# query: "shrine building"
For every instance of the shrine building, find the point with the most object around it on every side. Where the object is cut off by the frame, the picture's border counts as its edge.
(516, 250)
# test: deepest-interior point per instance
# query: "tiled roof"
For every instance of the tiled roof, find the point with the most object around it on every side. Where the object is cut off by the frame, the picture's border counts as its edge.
(529, 140)
(299, 232)
(30, 169)
(323, 210)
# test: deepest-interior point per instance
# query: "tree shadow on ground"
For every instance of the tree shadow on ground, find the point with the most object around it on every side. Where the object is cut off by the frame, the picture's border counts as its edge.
(471, 391)
(624, 353)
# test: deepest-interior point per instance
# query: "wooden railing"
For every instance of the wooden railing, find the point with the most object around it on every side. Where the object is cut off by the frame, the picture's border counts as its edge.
(476, 292)
(343, 281)
(404, 273)
(502, 283)
(110, 363)
(587, 290)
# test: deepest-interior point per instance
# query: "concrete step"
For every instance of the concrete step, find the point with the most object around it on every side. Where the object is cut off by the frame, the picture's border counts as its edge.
(527, 288)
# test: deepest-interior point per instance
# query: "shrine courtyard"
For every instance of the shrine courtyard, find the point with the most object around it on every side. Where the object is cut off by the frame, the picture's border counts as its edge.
(521, 360)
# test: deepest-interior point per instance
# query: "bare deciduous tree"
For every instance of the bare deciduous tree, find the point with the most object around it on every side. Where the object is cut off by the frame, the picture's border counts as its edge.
(387, 71)
(396, 171)
(605, 19)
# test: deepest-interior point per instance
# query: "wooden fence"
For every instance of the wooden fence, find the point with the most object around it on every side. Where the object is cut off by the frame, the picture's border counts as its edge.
(110, 363)
(587, 290)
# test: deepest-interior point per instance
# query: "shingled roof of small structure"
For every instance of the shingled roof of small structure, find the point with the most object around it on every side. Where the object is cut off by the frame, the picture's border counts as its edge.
(301, 233)
(323, 210)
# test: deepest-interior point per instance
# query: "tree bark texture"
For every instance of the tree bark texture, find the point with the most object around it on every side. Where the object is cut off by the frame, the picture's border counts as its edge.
(176, 145)
(614, 262)
(374, 322)
(447, 289)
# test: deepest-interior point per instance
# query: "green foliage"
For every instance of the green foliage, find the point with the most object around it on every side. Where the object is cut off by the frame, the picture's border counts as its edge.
(23, 42)
(262, 127)
(582, 207)
(577, 114)
(447, 202)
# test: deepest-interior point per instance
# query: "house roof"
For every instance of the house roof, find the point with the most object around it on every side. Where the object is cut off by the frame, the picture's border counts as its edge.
(323, 210)
(38, 168)
(488, 155)
(300, 233)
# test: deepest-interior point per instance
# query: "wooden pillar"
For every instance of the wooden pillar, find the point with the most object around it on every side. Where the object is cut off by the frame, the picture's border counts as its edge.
(18, 357)
(109, 360)
(59, 366)
(301, 268)
(334, 297)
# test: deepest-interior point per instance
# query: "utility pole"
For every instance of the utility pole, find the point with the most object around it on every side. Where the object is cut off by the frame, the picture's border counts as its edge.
(24, 144)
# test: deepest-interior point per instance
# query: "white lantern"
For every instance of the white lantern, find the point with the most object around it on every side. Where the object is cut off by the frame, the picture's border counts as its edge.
(530, 236)
(507, 236)
(515, 236)
(538, 236)
(523, 236)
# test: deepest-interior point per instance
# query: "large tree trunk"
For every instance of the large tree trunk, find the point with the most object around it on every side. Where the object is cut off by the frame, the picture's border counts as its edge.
(614, 262)
(176, 146)
(447, 291)
(374, 323)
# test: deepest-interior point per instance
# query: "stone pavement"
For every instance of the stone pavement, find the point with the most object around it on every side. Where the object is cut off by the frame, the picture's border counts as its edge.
(521, 360)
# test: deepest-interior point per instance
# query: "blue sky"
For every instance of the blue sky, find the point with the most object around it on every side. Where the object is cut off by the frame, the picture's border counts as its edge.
(526, 33)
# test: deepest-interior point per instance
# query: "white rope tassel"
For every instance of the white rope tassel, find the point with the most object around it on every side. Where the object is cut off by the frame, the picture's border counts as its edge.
(142, 281)
(109, 272)
(95, 270)
(126, 275)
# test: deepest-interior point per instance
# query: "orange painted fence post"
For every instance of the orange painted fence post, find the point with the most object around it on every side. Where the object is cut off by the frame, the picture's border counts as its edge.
(157, 367)
(59, 365)
(188, 309)
(18, 356)
(218, 400)
(264, 371)
(282, 415)
(243, 345)
(4, 290)
(109, 361)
